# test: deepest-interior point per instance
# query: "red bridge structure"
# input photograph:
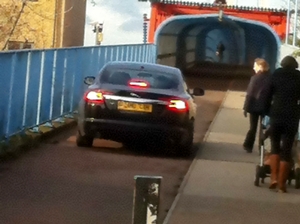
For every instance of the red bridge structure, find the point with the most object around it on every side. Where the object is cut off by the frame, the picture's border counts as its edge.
(187, 33)
(162, 10)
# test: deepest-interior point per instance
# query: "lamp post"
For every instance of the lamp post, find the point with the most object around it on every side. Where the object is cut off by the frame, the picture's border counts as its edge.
(288, 18)
(98, 29)
(295, 22)
(145, 28)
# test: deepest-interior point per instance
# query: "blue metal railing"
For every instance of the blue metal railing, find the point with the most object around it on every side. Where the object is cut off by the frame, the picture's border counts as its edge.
(38, 86)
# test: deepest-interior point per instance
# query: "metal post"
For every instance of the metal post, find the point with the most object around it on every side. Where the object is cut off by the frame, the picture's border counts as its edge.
(97, 33)
(287, 31)
(98, 29)
(220, 11)
(295, 22)
(146, 199)
(145, 28)
(145, 33)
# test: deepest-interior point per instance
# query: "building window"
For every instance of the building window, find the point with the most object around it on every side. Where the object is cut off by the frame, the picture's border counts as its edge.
(18, 45)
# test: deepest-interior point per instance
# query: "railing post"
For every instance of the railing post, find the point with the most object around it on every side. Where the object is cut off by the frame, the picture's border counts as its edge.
(295, 23)
(146, 199)
(288, 22)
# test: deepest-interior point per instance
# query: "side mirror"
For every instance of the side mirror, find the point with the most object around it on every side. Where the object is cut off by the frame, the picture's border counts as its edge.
(89, 80)
(198, 92)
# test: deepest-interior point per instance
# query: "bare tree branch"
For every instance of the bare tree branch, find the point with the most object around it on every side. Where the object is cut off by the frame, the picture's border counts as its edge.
(14, 25)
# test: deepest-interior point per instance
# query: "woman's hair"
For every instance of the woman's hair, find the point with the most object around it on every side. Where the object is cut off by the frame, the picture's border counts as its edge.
(263, 63)
(289, 62)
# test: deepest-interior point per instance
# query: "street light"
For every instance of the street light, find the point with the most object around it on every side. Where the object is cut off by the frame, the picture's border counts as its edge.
(98, 29)
(145, 27)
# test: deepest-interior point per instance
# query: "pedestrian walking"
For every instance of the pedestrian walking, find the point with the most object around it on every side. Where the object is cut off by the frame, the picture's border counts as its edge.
(220, 51)
(284, 101)
(256, 100)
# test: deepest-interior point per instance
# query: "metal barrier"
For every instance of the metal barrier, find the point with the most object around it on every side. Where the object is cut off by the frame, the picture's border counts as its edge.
(38, 86)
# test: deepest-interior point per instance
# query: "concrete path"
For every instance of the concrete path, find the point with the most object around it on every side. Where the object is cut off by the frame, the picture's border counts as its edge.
(219, 187)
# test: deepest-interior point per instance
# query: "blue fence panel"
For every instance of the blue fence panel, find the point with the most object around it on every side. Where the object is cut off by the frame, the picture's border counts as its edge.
(69, 80)
(94, 61)
(47, 84)
(34, 74)
(111, 54)
(58, 83)
(6, 65)
(18, 94)
(41, 85)
(87, 69)
(78, 76)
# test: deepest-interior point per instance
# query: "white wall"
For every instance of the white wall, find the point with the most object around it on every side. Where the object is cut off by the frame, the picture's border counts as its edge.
(288, 50)
(190, 43)
(167, 45)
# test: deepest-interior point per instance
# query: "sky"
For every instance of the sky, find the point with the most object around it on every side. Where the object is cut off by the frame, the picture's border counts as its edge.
(123, 19)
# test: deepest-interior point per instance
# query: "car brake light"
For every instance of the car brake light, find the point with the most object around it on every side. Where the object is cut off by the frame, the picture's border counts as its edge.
(95, 96)
(177, 105)
(138, 83)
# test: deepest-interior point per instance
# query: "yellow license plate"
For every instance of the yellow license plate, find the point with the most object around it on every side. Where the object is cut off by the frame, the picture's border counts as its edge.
(138, 107)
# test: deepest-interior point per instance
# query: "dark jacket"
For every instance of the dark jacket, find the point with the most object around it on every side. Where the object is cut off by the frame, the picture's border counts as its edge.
(284, 95)
(257, 94)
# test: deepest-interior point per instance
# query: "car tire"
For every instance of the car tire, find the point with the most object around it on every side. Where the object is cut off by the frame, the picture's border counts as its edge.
(185, 146)
(84, 141)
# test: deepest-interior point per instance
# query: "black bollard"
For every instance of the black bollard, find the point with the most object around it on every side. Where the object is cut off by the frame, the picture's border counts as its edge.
(146, 199)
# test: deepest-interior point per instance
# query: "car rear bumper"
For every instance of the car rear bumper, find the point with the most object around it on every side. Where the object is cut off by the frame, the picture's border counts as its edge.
(116, 129)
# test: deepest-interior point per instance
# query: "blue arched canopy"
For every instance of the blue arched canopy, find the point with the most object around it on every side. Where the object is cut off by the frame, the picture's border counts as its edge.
(186, 40)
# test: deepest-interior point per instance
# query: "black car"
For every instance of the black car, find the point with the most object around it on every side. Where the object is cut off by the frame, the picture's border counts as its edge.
(133, 102)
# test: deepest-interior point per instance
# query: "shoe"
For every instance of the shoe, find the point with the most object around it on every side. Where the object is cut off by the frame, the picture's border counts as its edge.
(274, 164)
(283, 176)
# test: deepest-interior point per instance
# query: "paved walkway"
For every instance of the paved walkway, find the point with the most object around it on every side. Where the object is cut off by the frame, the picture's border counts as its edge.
(219, 186)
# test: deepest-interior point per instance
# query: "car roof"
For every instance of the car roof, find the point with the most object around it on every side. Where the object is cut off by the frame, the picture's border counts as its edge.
(147, 66)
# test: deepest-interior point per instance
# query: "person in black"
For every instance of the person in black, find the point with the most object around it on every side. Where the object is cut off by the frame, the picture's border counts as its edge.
(256, 100)
(220, 50)
(284, 104)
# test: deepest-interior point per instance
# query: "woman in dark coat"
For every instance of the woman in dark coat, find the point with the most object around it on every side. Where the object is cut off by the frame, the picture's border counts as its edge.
(284, 101)
(256, 99)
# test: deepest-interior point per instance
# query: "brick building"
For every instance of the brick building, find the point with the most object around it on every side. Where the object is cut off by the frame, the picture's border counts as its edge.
(41, 24)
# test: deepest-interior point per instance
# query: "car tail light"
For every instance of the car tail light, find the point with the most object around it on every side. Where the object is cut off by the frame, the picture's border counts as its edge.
(177, 105)
(138, 83)
(95, 96)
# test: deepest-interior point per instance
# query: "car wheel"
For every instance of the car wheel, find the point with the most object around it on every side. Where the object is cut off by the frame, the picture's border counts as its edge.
(84, 141)
(185, 144)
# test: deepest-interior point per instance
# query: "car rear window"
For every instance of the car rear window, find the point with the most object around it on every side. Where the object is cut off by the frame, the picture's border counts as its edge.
(156, 80)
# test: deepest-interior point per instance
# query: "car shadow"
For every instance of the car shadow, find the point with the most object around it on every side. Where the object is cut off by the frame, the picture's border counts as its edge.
(151, 149)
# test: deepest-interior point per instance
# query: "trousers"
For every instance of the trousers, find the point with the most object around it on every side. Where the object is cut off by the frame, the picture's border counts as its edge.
(250, 137)
(282, 136)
